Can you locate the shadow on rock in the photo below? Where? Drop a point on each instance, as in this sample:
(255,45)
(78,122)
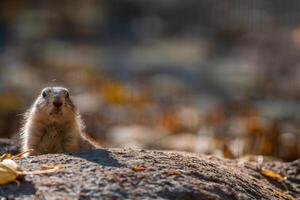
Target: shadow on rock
(26,188)
(99,156)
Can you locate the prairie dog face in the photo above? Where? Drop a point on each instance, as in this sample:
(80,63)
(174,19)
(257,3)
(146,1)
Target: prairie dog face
(55,103)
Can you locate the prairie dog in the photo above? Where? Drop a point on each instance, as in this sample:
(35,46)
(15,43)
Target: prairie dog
(54,125)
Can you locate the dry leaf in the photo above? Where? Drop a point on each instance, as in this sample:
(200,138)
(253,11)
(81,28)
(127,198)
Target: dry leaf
(5,156)
(227,152)
(173,173)
(137,168)
(283,195)
(45,166)
(272,175)
(8,171)
(113,92)
(47,171)
(21,154)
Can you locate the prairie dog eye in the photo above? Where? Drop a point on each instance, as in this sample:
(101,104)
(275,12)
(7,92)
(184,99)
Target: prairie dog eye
(67,94)
(44,94)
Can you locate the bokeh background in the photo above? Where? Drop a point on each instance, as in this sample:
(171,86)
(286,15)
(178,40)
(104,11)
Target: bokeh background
(209,76)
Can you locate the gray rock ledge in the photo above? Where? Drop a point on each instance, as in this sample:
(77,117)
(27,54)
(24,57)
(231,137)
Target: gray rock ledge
(112,174)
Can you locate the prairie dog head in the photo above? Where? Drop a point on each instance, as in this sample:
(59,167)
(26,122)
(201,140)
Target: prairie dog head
(54,103)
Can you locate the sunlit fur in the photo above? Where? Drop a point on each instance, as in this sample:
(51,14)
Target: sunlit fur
(48,129)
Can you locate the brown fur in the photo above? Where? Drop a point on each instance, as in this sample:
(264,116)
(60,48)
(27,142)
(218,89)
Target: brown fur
(50,130)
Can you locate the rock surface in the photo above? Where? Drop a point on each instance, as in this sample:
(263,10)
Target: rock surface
(145,174)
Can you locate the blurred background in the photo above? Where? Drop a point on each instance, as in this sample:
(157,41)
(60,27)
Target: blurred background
(216,77)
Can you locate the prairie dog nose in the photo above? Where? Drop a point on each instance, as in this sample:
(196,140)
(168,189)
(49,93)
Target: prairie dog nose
(57,103)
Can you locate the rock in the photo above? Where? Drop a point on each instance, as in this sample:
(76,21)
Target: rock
(145,174)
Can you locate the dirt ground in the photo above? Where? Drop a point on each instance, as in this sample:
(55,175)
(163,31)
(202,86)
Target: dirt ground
(145,174)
